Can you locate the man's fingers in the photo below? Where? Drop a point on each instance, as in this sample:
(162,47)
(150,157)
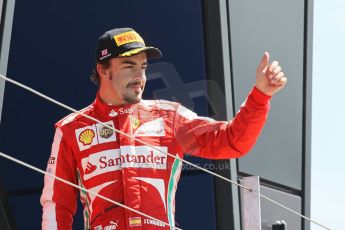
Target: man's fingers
(264,62)
(273,66)
(277,78)
(282,81)
(275,72)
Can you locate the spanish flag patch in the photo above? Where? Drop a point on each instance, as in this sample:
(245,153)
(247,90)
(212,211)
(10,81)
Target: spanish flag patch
(134,221)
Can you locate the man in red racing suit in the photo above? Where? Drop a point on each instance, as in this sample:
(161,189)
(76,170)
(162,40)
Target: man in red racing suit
(124,170)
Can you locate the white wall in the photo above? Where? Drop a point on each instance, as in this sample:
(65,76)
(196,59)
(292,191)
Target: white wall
(328,123)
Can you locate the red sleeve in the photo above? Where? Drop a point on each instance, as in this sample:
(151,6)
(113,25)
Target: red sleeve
(206,138)
(59,200)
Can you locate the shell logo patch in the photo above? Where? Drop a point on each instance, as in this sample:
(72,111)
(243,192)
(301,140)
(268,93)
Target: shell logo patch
(86,137)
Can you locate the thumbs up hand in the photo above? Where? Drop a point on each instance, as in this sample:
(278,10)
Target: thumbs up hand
(269,76)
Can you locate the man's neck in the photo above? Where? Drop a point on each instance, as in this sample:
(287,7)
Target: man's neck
(109,98)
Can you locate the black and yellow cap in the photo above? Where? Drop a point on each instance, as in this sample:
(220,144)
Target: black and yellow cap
(123,42)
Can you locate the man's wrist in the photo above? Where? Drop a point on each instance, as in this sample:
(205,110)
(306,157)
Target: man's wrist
(259,97)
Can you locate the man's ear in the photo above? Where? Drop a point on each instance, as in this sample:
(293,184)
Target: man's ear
(100,70)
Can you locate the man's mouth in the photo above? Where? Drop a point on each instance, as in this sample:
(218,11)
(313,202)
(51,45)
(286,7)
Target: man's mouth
(136,86)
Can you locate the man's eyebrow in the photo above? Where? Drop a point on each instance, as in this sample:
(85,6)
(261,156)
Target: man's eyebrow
(128,62)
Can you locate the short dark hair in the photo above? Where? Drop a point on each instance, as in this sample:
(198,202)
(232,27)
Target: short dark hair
(94,77)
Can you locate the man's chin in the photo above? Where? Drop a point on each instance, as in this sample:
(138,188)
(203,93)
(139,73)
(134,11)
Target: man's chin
(132,100)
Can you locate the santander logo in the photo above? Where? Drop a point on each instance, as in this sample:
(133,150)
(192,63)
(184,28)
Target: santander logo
(90,168)
(125,157)
(126,110)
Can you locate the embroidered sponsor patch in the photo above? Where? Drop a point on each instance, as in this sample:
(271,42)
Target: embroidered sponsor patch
(104,52)
(95,134)
(154,222)
(113,113)
(51,160)
(86,137)
(125,157)
(101,162)
(105,134)
(135,122)
(134,221)
(143,157)
(127,37)
(113,225)
(154,128)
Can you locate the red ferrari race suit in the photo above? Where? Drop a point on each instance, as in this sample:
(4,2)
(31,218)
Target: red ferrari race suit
(108,163)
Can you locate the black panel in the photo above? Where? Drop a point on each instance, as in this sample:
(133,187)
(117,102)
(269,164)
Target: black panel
(6,219)
(225,194)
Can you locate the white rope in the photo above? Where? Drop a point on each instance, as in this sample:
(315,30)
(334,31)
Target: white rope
(293,211)
(118,131)
(81,188)
(153,147)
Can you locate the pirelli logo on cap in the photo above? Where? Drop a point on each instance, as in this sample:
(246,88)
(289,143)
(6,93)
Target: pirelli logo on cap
(127,37)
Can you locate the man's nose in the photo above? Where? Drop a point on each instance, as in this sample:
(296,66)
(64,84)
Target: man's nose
(140,75)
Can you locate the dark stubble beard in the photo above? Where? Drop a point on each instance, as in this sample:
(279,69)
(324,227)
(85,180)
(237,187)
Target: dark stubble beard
(126,98)
(133,100)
